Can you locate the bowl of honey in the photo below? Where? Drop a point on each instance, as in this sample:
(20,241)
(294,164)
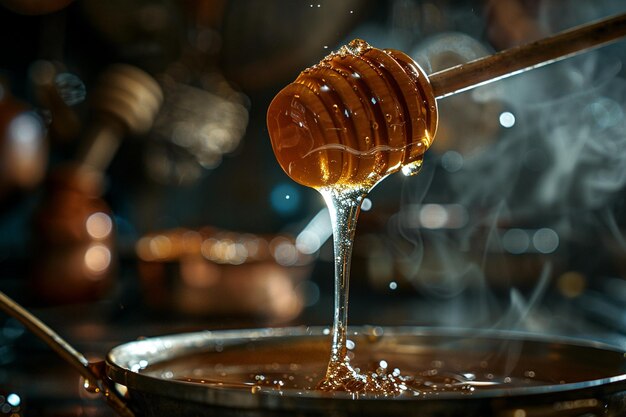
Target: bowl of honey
(429,372)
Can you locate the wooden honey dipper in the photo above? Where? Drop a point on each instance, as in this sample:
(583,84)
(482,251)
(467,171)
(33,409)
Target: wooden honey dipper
(363,113)
(73,230)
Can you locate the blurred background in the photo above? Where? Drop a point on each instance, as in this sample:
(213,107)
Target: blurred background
(139,194)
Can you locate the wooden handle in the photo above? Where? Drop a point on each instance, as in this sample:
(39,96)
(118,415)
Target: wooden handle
(532,55)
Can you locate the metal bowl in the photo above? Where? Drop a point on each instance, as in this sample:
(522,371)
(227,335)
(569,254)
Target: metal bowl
(212,373)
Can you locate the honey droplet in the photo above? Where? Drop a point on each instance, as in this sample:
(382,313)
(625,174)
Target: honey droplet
(412,169)
(358,46)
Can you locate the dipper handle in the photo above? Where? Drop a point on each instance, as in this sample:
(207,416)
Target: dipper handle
(532,55)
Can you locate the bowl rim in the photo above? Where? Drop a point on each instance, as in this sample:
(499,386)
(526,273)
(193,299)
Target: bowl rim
(125,362)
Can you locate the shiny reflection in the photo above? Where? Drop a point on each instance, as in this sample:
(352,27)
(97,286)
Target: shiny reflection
(220,247)
(97,258)
(14,400)
(315,233)
(10,405)
(507,119)
(99,225)
(25,138)
(366,205)
(436,216)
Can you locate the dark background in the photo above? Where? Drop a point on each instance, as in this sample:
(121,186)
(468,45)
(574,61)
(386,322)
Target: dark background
(532,237)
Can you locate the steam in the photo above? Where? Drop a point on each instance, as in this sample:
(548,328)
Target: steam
(555,168)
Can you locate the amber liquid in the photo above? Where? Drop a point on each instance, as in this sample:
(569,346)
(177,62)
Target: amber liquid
(359,115)
(410,365)
(345,124)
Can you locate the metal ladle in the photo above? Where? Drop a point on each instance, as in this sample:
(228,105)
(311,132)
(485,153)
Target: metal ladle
(93,372)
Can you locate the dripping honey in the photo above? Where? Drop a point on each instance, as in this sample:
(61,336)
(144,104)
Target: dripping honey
(342,126)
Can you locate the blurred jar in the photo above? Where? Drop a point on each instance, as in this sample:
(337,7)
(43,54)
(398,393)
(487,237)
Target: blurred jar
(73,236)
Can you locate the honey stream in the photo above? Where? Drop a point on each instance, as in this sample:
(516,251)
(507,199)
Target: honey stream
(346,123)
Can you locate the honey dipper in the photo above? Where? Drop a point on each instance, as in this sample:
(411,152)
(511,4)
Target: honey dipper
(73,236)
(363,113)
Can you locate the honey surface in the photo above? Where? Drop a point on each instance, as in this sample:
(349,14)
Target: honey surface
(389,366)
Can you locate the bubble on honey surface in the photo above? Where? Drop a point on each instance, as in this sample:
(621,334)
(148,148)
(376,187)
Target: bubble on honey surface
(376,379)
(355,47)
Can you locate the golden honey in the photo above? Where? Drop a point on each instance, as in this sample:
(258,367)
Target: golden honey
(359,115)
(342,126)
